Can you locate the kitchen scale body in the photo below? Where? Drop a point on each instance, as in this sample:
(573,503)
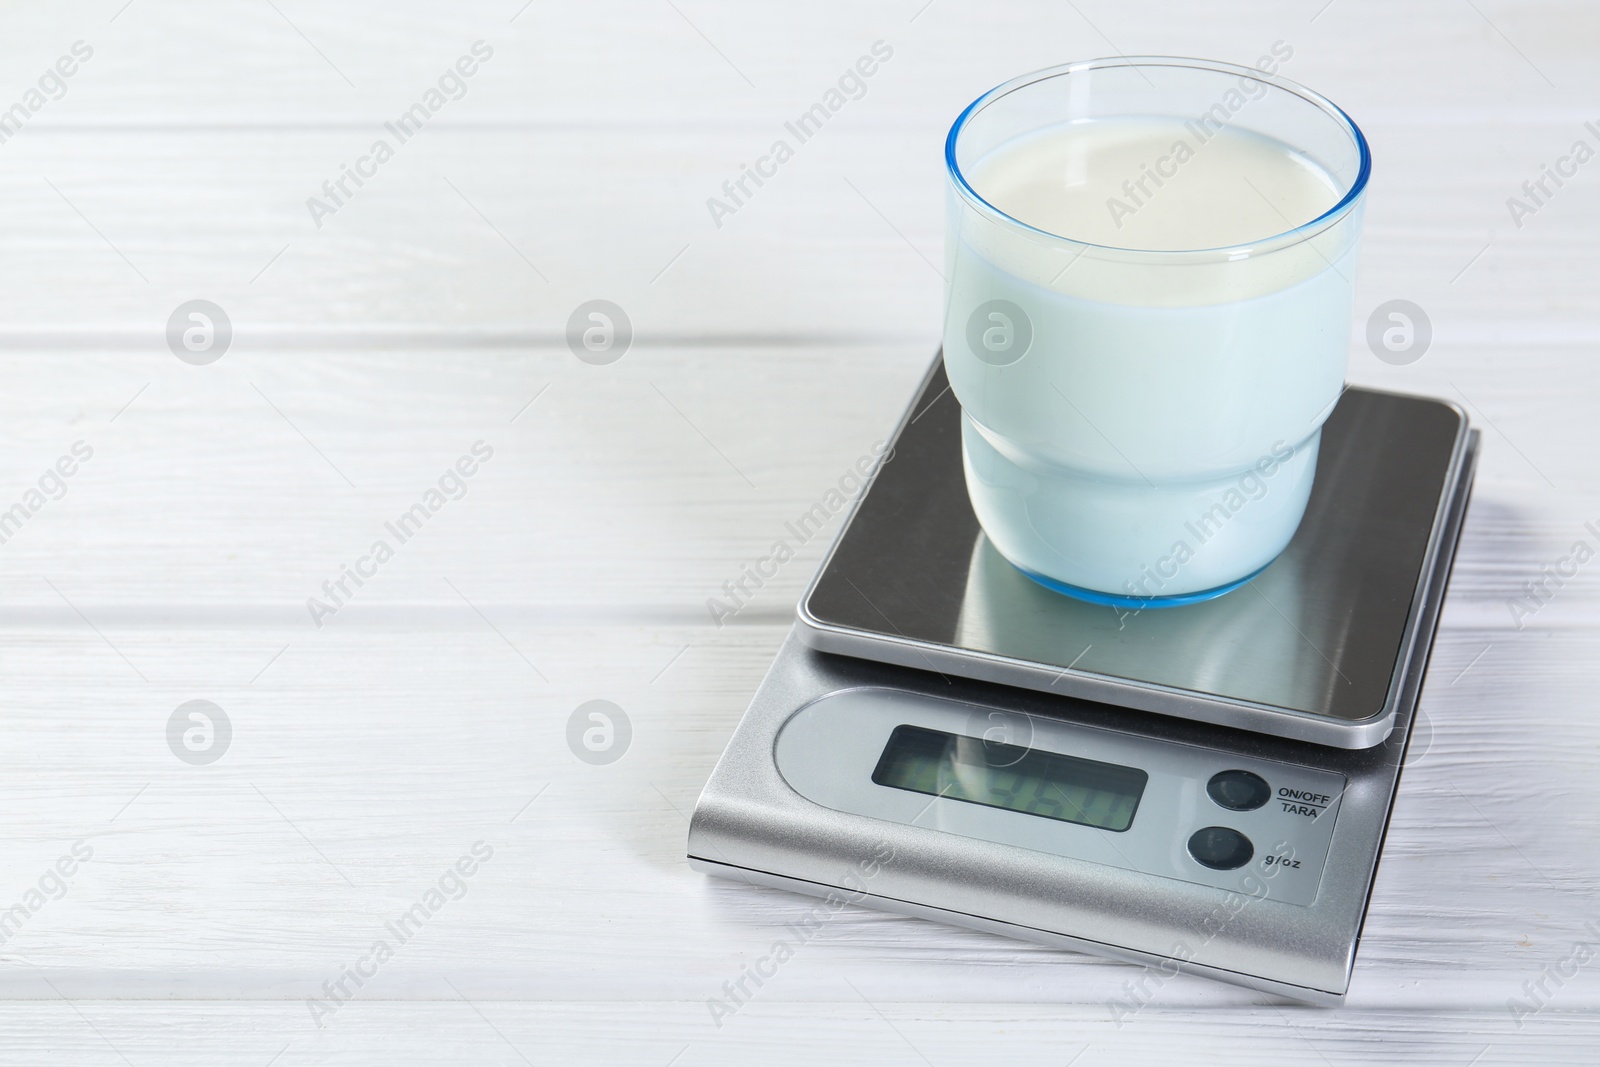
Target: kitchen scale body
(1202,788)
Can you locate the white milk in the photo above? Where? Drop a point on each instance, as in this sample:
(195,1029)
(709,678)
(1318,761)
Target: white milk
(1231,189)
(1157,433)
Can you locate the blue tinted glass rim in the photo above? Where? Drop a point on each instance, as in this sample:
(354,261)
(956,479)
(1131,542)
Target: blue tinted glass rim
(1285,237)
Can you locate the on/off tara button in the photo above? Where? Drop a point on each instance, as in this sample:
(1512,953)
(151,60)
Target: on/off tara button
(1238,790)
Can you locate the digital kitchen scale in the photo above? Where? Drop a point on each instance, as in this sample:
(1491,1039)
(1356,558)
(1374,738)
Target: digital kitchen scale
(1201,788)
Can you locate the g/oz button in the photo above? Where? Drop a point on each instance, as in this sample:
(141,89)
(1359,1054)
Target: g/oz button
(1238,790)
(1221,848)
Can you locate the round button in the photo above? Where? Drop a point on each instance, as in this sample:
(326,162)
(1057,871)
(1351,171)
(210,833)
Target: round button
(1238,790)
(1221,848)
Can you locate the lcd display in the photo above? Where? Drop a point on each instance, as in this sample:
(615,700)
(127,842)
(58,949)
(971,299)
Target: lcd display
(1047,784)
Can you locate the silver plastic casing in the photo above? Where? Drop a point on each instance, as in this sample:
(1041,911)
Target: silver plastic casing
(750,824)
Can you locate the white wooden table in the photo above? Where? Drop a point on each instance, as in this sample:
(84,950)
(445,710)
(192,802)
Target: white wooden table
(429,712)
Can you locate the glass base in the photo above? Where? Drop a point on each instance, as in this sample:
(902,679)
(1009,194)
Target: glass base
(1171,541)
(1138,603)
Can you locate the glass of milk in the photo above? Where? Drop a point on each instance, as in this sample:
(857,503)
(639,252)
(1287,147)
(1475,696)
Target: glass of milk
(1149,281)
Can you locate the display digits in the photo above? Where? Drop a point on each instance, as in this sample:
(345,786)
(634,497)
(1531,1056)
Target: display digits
(1031,781)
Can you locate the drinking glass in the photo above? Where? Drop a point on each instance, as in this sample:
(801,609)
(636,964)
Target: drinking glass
(1141,419)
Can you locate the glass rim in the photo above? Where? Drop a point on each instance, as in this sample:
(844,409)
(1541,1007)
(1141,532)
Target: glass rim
(1283,238)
